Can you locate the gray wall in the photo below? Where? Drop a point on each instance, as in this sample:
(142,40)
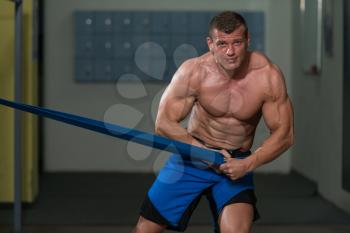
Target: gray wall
(317,152)
(67,148)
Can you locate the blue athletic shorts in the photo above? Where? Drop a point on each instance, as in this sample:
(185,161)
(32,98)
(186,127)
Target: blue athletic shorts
(181,183)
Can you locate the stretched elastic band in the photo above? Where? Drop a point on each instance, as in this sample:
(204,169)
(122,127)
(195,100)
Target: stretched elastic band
(187,151)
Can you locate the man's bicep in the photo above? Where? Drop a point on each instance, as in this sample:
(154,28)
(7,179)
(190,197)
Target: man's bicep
(278,114)
(277,108)
(175,107)
(178,99)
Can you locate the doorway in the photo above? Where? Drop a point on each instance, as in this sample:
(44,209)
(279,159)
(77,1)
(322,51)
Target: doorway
(346,98)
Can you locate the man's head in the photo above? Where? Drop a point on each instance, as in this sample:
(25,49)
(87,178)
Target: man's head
(227,22)
(228,40)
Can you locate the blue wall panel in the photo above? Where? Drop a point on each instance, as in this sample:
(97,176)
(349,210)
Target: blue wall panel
(106,42)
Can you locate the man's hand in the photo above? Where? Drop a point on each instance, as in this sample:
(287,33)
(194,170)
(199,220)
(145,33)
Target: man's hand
(233,168)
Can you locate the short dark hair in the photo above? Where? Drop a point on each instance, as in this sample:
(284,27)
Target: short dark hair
(227,22)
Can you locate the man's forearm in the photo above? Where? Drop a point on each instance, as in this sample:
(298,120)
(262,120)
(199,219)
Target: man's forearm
(273,147)
(177,132)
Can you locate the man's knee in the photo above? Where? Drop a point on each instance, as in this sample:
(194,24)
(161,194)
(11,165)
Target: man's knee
(146,226)
(235,228)
(236,218)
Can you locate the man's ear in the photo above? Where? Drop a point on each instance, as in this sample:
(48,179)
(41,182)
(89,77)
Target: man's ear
(210,43)
(248,39)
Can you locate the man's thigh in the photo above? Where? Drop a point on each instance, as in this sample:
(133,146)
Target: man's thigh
(175,194)
(236,218)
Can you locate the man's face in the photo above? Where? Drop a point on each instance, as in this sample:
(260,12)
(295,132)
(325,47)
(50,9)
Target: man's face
(229,50)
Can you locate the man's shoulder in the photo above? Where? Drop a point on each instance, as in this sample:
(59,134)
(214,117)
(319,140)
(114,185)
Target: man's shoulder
(200,60)
(195,65)
(260,62)
(265,72)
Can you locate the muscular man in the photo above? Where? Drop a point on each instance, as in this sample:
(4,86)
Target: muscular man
(225,92)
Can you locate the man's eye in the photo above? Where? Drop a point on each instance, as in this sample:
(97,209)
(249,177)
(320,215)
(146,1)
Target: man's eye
(221,44)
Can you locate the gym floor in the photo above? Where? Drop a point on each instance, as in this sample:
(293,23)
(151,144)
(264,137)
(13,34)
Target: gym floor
(109,202)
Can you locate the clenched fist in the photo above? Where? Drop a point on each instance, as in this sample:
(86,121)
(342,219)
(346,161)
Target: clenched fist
(233,168)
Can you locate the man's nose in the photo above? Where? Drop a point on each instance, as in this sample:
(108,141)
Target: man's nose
(230,50)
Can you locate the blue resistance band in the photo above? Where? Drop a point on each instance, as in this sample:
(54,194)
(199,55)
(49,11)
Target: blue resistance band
(187,151)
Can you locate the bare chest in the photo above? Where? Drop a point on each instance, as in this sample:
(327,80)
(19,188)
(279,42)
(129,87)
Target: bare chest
(239,100)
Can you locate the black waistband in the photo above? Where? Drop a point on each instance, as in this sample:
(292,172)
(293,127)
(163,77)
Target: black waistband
(235,153)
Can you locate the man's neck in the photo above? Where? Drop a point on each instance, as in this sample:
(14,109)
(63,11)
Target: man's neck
(238,73)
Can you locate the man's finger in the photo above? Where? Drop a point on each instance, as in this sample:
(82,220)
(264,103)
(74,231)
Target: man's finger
(225,153)
(223,167)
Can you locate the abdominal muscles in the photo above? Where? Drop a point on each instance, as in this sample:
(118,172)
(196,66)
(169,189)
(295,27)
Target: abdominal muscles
(224,131)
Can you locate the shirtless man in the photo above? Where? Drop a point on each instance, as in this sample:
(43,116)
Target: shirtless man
(225,91)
